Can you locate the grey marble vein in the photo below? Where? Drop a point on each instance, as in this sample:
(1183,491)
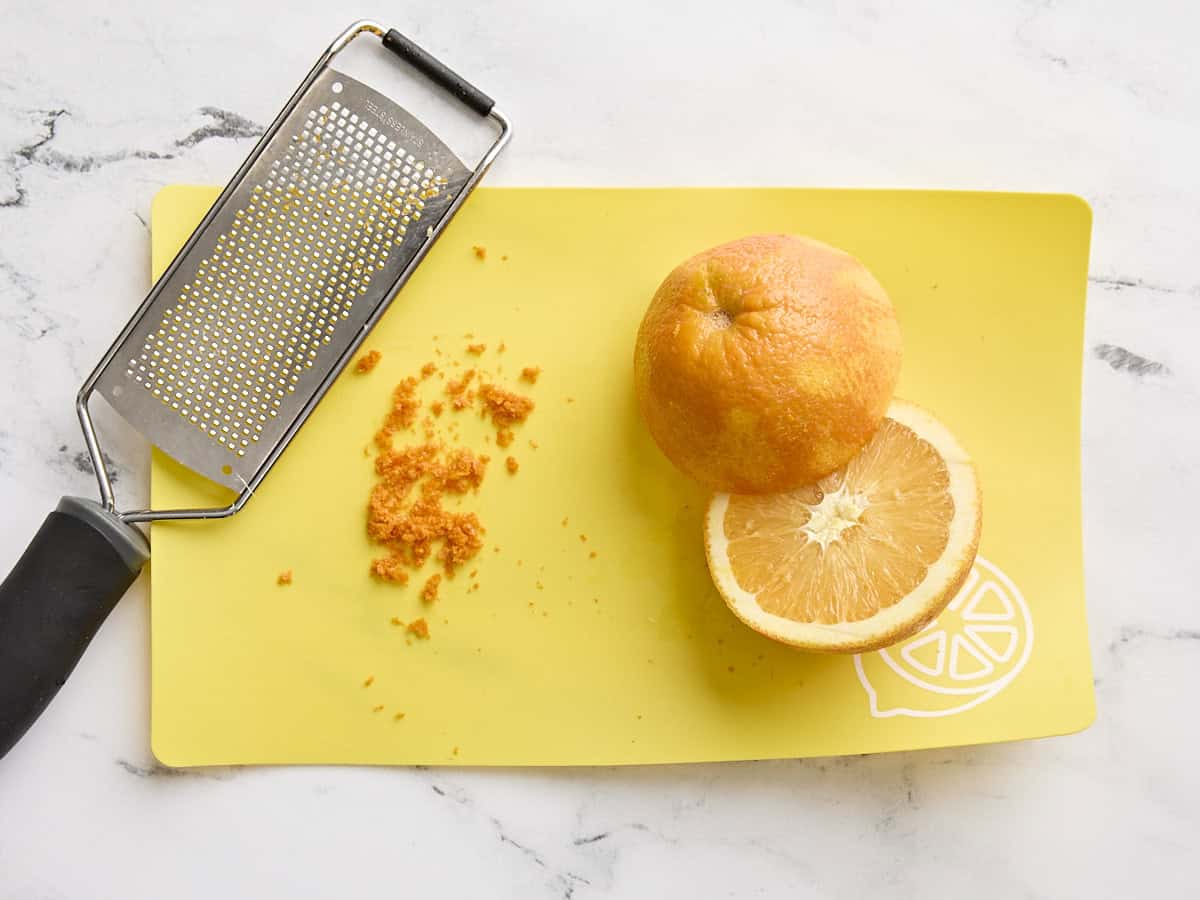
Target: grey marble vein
(81,461)
(24,155)
(1132,633)
(156,770)
(221,124)
(224,124)
(1122,283)
(608,833)
(1022,38)
(19,309)
(563,880)
(1122,360)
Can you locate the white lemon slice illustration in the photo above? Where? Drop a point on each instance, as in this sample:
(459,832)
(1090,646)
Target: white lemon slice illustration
(966,656)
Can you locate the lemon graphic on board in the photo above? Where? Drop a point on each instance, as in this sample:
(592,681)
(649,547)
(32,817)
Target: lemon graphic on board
(966,656)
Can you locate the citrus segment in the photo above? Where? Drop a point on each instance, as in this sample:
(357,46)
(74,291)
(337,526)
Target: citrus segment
(863,558)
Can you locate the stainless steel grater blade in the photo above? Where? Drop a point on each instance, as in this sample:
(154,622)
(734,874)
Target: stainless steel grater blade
(242,335)
(280,284)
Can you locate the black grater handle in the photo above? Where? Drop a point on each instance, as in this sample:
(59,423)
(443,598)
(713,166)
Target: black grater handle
(76,568)
(438,72)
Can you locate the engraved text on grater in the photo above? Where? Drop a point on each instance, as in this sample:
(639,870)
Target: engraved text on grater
(383,116)
(277,283)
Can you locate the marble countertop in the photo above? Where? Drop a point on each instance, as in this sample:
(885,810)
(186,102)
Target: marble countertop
(99,109)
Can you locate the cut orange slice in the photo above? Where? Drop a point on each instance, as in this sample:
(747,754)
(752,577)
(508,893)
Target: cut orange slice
(863,558)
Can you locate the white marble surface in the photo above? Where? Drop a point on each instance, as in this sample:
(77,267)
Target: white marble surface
(101,104)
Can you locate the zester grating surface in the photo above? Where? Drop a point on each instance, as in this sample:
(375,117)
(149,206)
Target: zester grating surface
(279,285)
(335,229)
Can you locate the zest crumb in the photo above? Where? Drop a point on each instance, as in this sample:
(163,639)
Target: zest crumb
(419,628)
(460,397)
(502,347)
(592,555)
(504,437)
(410,535)
(397,717)
(399,470)
(564,522)
(512,465)
(367,362)
(429,593)
(472,573)
(476,349)
(396,621)
(455,751)
(533,444)
(531,373)
(504,258)
(389,570)
(405,406)
(428,369)
(583,537)
(570,399)
(405,512)
(370,681)
(461,472)
(285,578)
(376,709)
(480,252)
(505,407)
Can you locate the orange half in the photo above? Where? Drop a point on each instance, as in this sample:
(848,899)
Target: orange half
(864,557)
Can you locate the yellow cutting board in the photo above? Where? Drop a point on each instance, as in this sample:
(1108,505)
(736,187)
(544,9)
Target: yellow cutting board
(629,656)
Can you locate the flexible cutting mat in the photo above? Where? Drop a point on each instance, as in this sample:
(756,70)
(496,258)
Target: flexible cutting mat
(629,656)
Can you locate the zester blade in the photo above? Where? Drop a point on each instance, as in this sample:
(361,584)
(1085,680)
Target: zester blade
(280,285)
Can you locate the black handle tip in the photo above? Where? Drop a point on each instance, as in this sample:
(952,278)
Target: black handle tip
(74,571)
(438,72)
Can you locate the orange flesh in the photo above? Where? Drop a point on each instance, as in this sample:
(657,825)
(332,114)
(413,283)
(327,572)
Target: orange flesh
(883,519)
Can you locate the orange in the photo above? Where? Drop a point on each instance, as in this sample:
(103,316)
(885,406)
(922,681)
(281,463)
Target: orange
(867,556)
(766,363)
